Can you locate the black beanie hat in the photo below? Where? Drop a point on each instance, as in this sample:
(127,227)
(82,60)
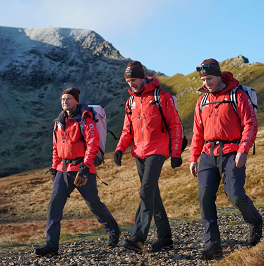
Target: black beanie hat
(134,69)
(209,67)
(73,91)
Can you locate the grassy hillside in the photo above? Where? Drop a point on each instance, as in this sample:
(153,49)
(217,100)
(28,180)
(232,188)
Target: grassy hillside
(24,197)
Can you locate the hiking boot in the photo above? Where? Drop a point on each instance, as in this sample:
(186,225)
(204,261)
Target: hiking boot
(161,244)
(134,243)
(211,251)
(113,240)
(255,234)
(45,250)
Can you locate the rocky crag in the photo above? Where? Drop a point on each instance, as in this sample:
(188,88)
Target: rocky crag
(36,65)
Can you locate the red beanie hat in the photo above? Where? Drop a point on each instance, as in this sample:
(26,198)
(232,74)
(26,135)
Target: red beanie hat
(134,69)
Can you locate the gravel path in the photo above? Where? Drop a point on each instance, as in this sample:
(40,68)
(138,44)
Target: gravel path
(188,243)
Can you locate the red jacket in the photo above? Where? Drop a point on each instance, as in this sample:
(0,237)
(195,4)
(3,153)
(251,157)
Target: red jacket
(220,122)
(68,142)
(148,131)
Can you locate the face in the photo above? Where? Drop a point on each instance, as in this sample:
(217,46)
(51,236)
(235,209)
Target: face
(68,102)
(136,84)
(212,83)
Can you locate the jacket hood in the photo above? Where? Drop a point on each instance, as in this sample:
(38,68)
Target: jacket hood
(228,78)
(151,84)
(80,111)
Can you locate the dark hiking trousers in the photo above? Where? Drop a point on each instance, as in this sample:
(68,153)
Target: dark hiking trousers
(58,200)
(234,181)
(151,203)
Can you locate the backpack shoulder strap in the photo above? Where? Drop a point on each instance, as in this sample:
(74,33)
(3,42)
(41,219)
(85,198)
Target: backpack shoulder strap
(82,125)
(156,97)
(203,101)
(130,101)
(54,131)
(233,97)
(157,101)
(94,113)
(84,119)
(129,110)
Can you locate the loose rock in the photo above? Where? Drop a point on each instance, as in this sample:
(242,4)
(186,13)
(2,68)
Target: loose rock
(188,243)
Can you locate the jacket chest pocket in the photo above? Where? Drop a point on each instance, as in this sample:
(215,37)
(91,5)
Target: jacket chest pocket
(73,132)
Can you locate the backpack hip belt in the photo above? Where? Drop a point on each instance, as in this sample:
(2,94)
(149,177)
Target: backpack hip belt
(219,170)
(236,141)
(74,162)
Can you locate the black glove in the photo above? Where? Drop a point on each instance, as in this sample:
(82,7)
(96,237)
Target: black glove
(176,162)
(118,157)
(53,172)
(83,170)
(184,144)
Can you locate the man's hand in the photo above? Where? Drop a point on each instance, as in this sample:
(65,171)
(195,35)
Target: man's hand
(118,157)
(82,175)
(80,181)
(241,159)
(176,162)
(193,169)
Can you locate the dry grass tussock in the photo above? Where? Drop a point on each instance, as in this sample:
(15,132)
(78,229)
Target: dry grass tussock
(24,197)
(245,257)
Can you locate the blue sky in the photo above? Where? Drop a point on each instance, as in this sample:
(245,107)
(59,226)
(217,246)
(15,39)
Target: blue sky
(169,36)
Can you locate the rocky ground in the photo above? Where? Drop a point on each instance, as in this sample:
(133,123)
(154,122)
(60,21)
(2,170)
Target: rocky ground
(188,243)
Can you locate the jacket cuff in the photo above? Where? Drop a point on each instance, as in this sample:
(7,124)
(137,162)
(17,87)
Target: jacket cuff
(54,166)
(119,148)
(175,153)
(243,150)
(193,158)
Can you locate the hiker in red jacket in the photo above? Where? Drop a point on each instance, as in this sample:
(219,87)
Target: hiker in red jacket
(222,139)
(145,128)
(73,167)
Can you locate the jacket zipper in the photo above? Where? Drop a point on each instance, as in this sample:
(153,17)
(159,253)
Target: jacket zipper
(213,125)
(141,125)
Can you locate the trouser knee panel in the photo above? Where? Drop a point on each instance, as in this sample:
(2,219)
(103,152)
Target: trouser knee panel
(239,201)
(204,198)
(54,205)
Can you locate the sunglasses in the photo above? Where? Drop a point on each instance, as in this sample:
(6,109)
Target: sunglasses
(204,67)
